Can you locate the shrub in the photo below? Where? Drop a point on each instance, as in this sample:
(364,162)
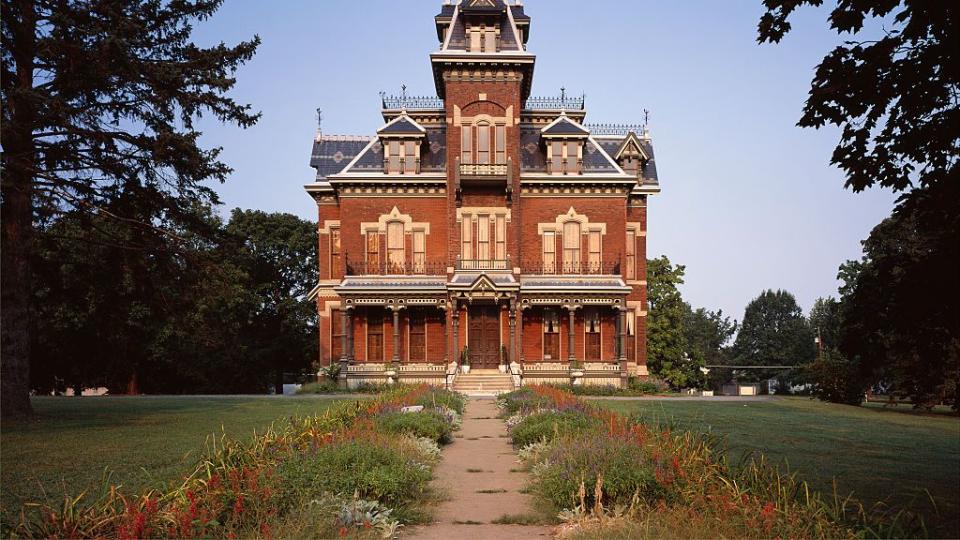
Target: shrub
(549,425)
(836,379)
(429,424)
(523,400)
(582,459)
(323,387)
(649,385)
(438,397)
(331,387)
(365,466)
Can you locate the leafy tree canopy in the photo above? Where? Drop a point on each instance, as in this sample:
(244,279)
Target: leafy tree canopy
(895,98)
(901,311)
(212,316)
(774,332)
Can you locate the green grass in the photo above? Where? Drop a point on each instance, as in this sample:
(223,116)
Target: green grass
(880,455)
(143,441)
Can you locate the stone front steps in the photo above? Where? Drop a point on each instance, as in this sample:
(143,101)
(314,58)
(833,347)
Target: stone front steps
(483,382)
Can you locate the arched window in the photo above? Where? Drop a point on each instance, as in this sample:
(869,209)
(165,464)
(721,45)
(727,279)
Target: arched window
(571,246)
(395,252)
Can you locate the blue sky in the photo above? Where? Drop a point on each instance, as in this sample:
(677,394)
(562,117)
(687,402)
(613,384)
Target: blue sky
(749,200)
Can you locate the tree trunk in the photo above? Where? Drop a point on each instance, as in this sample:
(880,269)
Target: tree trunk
(16,231)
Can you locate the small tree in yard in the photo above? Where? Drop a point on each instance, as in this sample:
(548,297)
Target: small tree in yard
(99,99)
(666,341)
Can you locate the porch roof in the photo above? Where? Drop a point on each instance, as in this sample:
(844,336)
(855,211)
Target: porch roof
(573,285)
(392,285)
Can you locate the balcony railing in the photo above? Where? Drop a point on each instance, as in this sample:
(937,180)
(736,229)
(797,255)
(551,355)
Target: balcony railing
(614,129)
(604,268)
(483,169)
(384,268)
(482,264)
(570,103)
(411,102)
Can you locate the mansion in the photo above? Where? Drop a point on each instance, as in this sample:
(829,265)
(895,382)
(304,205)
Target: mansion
(484,231)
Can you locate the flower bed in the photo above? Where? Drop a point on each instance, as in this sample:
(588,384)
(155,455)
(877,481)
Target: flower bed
(609,476)
(333,474)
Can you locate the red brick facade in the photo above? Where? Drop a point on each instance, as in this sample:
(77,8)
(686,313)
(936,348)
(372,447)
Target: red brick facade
(483,252)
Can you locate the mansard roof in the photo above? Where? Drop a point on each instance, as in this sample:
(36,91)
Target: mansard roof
(483,6)
(533,155)
(563,126)
(518,14)
(332,153)
(433,155)
(457,39)
(402,125)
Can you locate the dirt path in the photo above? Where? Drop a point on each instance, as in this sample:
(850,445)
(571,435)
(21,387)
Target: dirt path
(475,499)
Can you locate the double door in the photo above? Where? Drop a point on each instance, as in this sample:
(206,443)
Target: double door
(484,339)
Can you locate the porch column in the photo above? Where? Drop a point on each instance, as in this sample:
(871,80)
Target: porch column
(396,333)
(446,335)
(621,336)
(344,323)
(349,330)
(455,315)
(513,330)
(571,356)
(520,335)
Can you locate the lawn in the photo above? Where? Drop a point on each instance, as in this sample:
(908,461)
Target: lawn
(880,455)
(142,441)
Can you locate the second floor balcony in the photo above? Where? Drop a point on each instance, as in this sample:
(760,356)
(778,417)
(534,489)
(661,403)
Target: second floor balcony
(379,267)
(484,170)
(572,267)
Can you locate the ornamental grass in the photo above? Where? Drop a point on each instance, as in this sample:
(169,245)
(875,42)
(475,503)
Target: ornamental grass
(314,476)
(628,479)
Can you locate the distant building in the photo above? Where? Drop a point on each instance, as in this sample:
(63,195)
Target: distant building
(484,225)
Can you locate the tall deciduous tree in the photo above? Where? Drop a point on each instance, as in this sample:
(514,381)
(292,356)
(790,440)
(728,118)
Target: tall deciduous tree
(99,98)
(904,330)
(894,90)
(278,252)
(774,332)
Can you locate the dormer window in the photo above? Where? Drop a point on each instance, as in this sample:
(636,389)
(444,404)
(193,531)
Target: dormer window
(564,139)
(566,157)
(401,139)
(402,157)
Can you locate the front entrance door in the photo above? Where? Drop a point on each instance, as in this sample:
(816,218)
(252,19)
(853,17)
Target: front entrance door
(484,339)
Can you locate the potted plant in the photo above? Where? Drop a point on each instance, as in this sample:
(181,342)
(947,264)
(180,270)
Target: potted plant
(465,360)
(504,359)
(576,371)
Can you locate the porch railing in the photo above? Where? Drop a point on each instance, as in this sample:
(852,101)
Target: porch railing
(572,268)
(385,268)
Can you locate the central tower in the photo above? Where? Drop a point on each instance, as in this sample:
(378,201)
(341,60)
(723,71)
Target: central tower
(483,72)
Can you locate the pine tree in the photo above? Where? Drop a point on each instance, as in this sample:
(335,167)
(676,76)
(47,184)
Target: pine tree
(100,98)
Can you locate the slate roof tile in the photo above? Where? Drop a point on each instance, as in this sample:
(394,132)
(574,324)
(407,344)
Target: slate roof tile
(332,153)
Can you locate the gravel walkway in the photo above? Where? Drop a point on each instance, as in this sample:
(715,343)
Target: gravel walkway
(475,475)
